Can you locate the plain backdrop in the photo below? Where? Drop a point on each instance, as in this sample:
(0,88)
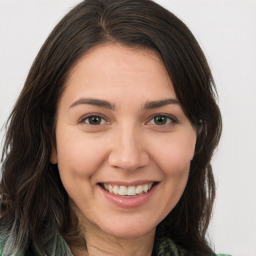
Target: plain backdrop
(226,30)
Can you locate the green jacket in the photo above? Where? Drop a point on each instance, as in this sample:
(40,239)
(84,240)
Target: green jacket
(164,248)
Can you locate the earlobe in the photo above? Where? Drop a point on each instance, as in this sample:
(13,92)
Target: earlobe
(53,158)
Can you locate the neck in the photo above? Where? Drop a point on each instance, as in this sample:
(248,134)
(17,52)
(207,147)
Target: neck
(99,243)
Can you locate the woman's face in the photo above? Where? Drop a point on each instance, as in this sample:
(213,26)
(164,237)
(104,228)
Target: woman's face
(124,145)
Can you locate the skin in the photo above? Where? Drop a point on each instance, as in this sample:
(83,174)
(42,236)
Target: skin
(126,145)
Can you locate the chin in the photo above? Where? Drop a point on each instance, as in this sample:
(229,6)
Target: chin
(129,230)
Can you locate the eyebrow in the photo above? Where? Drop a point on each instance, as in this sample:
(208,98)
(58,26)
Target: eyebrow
(160,103)
(95,102)
(108,105)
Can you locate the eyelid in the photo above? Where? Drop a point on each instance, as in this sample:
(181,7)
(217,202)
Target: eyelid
(173,119)
(83,118)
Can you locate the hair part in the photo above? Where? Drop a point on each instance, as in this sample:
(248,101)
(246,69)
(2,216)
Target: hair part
(35,204)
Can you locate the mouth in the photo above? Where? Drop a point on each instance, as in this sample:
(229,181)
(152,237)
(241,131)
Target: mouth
(128,191)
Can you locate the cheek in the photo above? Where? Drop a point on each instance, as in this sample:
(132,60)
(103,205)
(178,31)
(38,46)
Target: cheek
(175,156)
(77,155)
(174,161)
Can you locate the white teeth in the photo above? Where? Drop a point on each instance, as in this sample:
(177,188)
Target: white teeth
(122,191)
(139,189)
(128,191)
(131,191)
(145,188)
(115,190)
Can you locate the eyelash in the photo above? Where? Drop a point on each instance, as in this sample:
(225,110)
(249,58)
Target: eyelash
(83,120)
(170,120)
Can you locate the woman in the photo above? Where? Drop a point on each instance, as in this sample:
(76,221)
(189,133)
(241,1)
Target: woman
(109,145)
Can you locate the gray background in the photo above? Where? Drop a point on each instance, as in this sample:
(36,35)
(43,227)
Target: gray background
(226,31)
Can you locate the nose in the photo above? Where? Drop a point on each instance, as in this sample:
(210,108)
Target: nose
(128,151)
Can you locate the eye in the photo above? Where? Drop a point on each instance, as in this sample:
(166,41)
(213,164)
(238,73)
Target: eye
(161,120)
(94,120)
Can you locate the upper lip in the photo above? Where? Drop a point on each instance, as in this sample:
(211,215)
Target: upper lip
(127,184)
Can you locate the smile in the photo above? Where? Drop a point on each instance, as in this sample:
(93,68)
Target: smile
(128,191)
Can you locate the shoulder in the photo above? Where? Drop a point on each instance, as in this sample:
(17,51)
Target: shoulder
(166,247)
(4,234)
(61,247)
(58,247)
(2,243)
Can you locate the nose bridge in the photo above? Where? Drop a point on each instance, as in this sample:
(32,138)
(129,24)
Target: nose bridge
(128,150)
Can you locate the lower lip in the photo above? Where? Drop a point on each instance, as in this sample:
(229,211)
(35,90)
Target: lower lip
(129,202)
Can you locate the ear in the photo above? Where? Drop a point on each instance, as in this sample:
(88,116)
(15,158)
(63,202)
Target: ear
(199,127)
(201,135)
(54,158)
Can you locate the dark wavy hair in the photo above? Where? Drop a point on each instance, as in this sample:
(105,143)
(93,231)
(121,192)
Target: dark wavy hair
(35,205)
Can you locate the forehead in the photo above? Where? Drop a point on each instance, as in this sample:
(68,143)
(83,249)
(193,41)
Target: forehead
(109,69)
(125,57)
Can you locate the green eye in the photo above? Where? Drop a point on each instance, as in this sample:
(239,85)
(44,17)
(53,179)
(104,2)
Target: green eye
(161,120)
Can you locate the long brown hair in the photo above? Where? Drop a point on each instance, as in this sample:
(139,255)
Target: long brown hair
(35,202)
